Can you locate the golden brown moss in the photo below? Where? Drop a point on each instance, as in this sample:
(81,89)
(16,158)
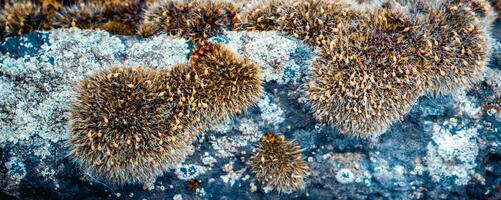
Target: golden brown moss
(119,28)
(279,163)
(50,5)
(82,15)
(482,8)
(231,84)
(378,63)
(195,20)
(264,17)
(498,6)
(125,15)
(312,21)
(153,17)
(368,75)
(22,17)
(457,46)
(122,130)
(373,64)
(118,17)
(128,125)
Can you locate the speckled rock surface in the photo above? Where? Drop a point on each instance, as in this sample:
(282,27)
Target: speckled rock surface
(447,147)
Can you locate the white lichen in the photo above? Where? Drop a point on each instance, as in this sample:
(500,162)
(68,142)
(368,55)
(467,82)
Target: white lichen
(227,145)
(42,151)
(190,171)
(270,51)
(160,51)
(467,105)
(16,171)
(452,154)
(345,176)
(232,176)
(35,99)
(177,197)
(385,170)
(271,113)
(250,130)
(208,160)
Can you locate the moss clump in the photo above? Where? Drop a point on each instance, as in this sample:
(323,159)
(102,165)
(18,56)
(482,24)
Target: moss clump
(457,45)
(374,63)
(231,84)
(122,130)
(368,75)
(128,125)
(195,20)
(278,163)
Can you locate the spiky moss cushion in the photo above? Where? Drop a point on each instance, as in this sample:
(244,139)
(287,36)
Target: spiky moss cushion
(312,21)
(367,77)
(131,124)
(196,20)
(121,129)
(231,84)
(116,17)
(22,17)
(279,163)
(457,45)
(123,17)
(83,15)
(214,86)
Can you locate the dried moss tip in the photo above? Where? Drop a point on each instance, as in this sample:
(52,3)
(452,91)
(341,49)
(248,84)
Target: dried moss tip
(22,17)
(196,20)
(368,75)
(279,163)
(121,130)
(231,84)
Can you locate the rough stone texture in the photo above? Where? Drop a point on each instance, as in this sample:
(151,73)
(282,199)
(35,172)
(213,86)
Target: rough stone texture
(447,147)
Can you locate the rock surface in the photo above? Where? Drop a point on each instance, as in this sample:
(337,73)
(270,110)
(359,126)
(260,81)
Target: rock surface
(447,147)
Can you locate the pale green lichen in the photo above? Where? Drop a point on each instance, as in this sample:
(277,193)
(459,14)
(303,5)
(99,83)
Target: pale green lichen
(36,97)
(158,51)
(271,113)
(345,176)
(271,51)
(189,171)
(16,171)
(467,105)
(452,154)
